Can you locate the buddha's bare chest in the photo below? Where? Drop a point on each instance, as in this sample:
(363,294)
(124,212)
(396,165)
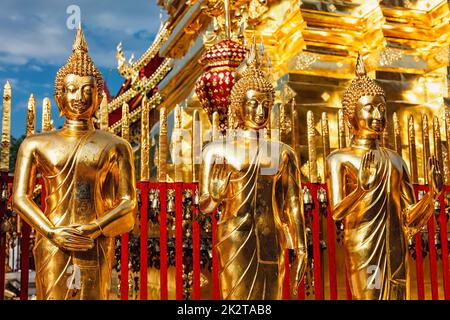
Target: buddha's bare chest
(68,153)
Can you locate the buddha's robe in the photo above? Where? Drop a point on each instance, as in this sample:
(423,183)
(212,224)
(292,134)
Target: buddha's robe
(261,217)
(83,181)
(377,228)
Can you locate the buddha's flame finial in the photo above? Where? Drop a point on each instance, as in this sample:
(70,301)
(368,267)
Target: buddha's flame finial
(80,43)
(360,67)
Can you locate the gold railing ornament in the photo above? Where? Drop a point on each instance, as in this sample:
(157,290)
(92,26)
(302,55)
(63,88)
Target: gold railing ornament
(412,150)
(341,129)
(125,122)
(162,148)
(447,138)
(426,146)
(437,142)
(6,128)
(197,144)
(325,140)
(295,130)
(177,147)
(397,134)
(145,140)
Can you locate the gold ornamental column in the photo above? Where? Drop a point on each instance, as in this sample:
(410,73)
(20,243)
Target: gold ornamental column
(125,122)
(341,129)
(197,146)
(6,128)
(46,115)
(104,114)
(31,116)
(312,148)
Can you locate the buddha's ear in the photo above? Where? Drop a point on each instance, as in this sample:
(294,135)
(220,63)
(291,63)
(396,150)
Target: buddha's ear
(59,103)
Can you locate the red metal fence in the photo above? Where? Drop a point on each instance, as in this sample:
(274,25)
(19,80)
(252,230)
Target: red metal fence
(314,210)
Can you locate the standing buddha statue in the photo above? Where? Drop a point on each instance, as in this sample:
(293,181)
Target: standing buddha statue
(254,183)
(89,181)
(371,190)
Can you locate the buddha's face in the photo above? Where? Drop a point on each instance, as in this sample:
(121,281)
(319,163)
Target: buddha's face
(370,115)
(256,109)
(79,98)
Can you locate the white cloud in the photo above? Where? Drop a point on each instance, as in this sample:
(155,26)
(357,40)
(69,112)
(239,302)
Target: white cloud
(37,30)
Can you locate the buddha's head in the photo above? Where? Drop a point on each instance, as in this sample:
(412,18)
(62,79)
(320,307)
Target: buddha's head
(78,84)
(364,104)
(252,96)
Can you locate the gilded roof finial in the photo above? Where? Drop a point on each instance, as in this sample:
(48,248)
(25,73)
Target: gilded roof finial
(253,56)
(80,43)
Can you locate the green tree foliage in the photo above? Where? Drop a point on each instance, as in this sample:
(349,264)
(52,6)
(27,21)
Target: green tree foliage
(13,149)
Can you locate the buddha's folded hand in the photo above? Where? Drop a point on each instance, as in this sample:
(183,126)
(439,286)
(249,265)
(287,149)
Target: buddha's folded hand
(71,239)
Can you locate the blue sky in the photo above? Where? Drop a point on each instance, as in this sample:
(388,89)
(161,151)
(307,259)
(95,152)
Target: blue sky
(35,41)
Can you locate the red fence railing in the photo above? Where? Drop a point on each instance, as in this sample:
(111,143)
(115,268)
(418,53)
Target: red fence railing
(317,233)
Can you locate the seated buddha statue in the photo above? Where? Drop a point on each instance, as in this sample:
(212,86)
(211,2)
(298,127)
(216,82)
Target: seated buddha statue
(254,183)
(370,189)
(89,181)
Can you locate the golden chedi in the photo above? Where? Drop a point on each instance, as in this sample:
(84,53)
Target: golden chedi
(254,183)
(89,182)
(370,189)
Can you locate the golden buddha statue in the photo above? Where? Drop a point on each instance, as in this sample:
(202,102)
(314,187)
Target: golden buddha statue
(255,184)
(89,181)
(370,188)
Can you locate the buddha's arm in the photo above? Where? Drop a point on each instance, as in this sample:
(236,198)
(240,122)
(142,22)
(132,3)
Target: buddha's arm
(207,202)
(294,221)
(340,205)
(24,183)
(415,214)
(121,219)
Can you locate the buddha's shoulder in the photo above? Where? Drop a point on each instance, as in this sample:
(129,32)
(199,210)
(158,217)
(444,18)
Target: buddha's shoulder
(339,153)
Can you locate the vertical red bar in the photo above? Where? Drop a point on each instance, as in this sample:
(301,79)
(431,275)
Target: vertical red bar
(124,266)
(444,245)
(419,267)
(24,260)
(433,260)
(2,264)
(215,261)
(178,241)
(195,247)
(301,290)
(331,256)
(163,240)
(419,260)
(286,280)
(144,236)
(316,245)
(3,245)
